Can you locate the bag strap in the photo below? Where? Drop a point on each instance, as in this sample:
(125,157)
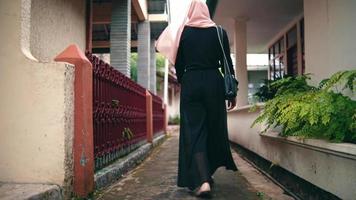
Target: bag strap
(220,36)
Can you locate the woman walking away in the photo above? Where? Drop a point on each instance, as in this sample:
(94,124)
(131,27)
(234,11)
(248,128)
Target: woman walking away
(195,51)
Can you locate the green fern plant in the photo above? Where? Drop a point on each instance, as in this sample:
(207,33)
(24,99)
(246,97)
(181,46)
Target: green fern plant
(345,79)
(311,112)
(272,88)
(266,91)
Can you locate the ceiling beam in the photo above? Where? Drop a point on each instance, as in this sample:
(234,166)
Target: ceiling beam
(158,17)
(106,44)
(102,14)
(140,9)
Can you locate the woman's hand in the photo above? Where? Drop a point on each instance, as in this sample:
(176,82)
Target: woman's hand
(231,104)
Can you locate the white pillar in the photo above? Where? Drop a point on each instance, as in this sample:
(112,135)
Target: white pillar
(144,50)
(165,91)
(153,67)
(240,45)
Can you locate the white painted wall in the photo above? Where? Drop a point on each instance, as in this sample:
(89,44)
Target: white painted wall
(54,25)
(36,105)
(330,31)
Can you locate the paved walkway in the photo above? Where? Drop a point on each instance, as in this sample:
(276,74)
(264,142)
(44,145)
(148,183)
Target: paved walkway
(156,177)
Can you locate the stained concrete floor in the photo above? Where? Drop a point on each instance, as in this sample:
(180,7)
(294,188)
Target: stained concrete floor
(156,177)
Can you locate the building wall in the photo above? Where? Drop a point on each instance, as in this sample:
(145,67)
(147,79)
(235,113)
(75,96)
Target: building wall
(54,25)
(330,29)
(36,109)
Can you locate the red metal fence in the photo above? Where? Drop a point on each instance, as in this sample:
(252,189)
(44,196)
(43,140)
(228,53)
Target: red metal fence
(158,114)
(119,113)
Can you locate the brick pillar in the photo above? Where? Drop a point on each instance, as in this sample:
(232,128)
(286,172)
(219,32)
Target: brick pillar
(83,141)
(153,67)
(149,117)
(120,36)
(143,49)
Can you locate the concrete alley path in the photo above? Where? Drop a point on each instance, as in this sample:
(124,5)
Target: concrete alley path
(155,179)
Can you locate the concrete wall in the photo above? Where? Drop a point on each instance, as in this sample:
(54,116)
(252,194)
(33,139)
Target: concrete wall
(330,29)
(54,25)
(329,166)
(36,109)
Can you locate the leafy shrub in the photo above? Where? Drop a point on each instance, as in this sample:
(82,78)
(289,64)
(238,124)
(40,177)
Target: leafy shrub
(345,79)
(271,88)
(174,120)
(266,92)
(313,112)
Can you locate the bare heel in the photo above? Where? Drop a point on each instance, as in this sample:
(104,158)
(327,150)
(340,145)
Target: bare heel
(204,191)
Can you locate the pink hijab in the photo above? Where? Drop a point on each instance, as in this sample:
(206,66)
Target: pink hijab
(197,16)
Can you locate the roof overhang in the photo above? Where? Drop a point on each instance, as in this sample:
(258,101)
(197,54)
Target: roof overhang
(102,12)
(140,8)
(158,18)
(156,11)
(264,19)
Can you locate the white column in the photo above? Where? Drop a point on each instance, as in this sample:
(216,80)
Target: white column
(165,87)
(144,50)
(240,45)
(153,67)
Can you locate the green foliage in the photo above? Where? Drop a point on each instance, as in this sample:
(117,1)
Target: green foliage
(271,88)
(174,120)
(345,79)
(313,112)
(261,195)
(133,66)
(160,62)
(266,92)
(291,84)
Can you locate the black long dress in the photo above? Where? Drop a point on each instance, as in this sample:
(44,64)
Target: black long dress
(203,142)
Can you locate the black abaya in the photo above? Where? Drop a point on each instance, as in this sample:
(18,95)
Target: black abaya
(203,143)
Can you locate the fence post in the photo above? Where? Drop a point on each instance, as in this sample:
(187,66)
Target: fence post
(165,118)
(149,117)
(83,147)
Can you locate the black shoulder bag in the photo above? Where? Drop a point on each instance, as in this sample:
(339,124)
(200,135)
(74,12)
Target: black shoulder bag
(230,82)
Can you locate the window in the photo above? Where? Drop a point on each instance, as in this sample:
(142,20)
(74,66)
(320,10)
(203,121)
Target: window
(276,59)
(286,55)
